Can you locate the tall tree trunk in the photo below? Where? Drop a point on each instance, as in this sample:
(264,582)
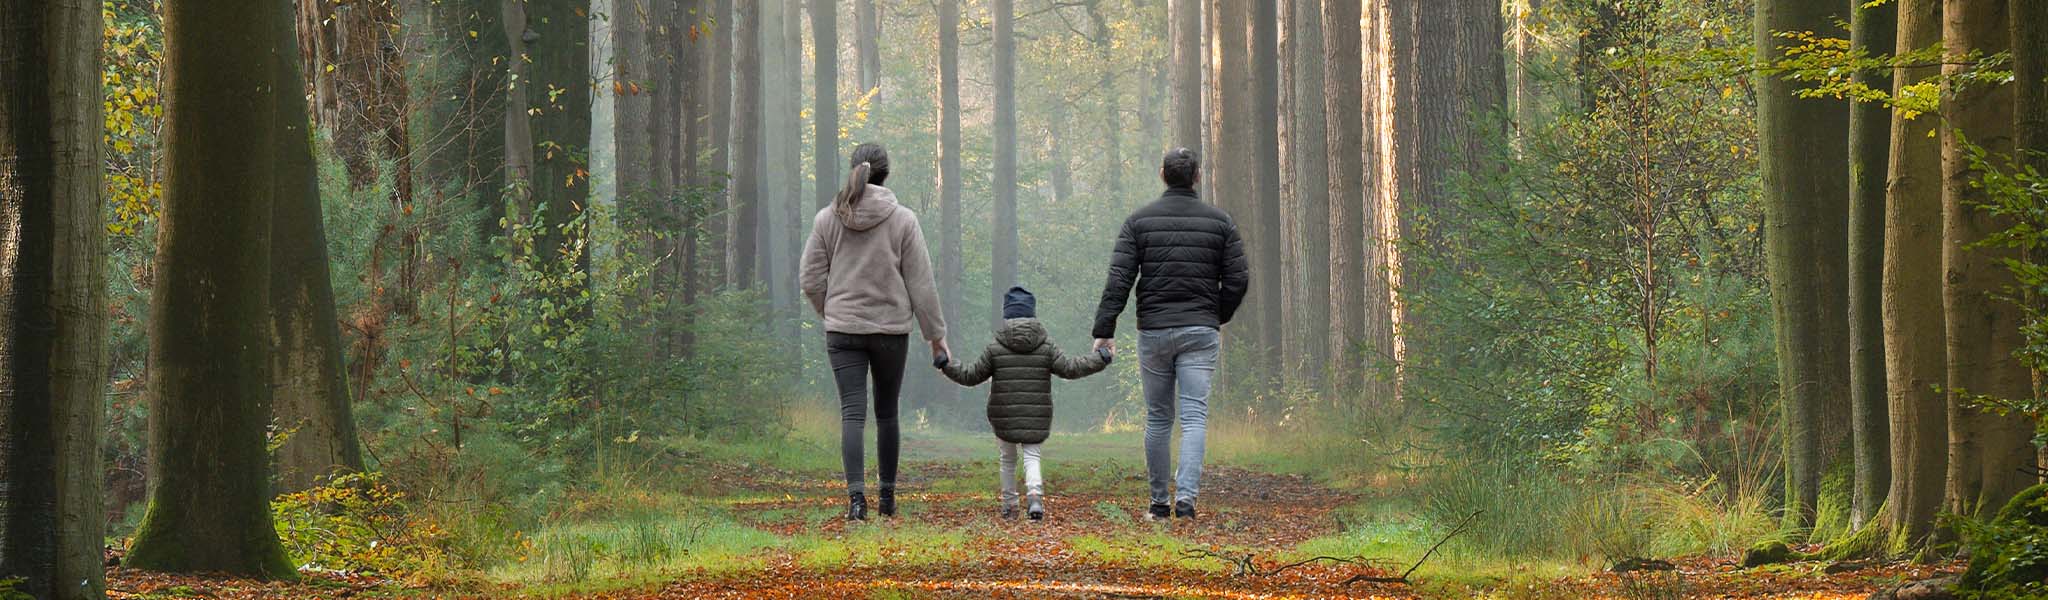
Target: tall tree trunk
(1987,454)
(1914,356)
(1312,181)
(1527,12)
(1003,272)
(362,94)
(1805,180)
(1874,30)
(1265,146)
(781,187)
(718,167)
(558,100)
(466,157)
(950,217)
(518,143)
(52,300)
(633,85)
(868,44)
(825,102)
(1184,34)
(209,505)
(311,396)
(1347,142)
(747,152)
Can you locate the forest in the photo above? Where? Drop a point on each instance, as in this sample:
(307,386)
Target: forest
(1517,299)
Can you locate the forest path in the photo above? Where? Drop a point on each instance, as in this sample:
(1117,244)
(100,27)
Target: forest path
(769,525)
(950,542)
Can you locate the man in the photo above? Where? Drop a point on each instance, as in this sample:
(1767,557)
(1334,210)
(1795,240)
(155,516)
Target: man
(1188,263)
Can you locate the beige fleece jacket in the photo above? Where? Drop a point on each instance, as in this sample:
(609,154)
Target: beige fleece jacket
(866,269)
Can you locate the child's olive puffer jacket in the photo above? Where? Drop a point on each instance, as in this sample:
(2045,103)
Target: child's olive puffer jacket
(1022,362)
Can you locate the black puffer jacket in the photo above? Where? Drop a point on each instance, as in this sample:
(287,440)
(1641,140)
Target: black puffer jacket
(1188,263)
(1022,363)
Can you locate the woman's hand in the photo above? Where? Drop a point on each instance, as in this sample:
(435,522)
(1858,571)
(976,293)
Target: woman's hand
(939,348)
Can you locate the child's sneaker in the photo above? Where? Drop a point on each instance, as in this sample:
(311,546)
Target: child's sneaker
(1037,508)
(1009,511)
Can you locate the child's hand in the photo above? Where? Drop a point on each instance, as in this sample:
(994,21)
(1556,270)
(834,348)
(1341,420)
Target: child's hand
(939,361)
(1107,355)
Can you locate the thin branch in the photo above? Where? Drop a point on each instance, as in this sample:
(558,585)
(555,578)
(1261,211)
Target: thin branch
(1403,579)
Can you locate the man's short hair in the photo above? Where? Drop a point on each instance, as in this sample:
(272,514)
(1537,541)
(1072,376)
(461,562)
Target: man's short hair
(1180,167)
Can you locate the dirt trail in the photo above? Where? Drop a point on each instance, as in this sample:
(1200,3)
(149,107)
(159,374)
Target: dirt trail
(1244,513)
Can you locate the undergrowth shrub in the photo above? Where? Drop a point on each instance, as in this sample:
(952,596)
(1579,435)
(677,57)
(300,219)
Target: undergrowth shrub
(357,523)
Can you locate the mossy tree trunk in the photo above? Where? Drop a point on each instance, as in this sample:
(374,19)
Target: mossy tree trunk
(1914,355)
(1986,452)
(1872,29)
(311,397)
(52,299)
(210,398)
(1806,192)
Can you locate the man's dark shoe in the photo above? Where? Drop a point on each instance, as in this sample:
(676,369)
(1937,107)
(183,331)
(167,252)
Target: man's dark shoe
(1184,509)
(886,504)
(857,507)
(1159,513)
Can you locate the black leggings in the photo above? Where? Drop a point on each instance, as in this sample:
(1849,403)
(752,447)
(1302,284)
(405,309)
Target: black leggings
(853,358)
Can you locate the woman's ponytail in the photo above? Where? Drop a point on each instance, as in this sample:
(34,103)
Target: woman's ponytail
(855,188)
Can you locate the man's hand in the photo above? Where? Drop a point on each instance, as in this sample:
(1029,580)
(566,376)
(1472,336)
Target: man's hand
(1104,344)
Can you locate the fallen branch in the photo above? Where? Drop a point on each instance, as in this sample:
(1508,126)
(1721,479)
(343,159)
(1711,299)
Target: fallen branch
(1403,578)
(1247,564)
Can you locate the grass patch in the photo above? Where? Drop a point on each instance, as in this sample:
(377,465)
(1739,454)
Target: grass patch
(877,544)
(1149,550)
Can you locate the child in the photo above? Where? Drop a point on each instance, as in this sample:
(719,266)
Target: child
(1022,362)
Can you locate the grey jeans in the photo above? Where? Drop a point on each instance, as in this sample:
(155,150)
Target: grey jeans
(1177,364)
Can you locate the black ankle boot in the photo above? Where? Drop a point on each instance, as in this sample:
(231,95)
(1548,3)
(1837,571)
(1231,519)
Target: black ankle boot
(886,503)
(857,507)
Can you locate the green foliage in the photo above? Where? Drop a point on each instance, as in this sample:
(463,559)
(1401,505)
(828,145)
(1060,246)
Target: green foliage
(2009,554)
(357,523)
(9,589)
(1596,297)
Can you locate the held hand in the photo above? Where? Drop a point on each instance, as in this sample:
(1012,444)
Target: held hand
(941,353)
(1102,344)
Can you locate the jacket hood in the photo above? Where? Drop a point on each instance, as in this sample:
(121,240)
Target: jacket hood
(1021,335)
(875,207)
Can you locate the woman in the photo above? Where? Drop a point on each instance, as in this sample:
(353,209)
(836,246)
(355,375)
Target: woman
(866,272)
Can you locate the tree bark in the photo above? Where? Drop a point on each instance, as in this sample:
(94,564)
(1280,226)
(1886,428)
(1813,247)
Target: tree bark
(558,100)
(466,156)
(1184,34)
(1265,146)
(1874,30)
(209,505)
(311,396)
(747,153)
(1805,180)
(633,84)
(52,300)
(1305,341)
(868,44)
(950,217)
(1986,453)
(1914,355)
(1345,137)
(1003,271)
(825,102)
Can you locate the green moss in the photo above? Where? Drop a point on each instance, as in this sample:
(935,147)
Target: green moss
(1771,553)
(2009,555)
